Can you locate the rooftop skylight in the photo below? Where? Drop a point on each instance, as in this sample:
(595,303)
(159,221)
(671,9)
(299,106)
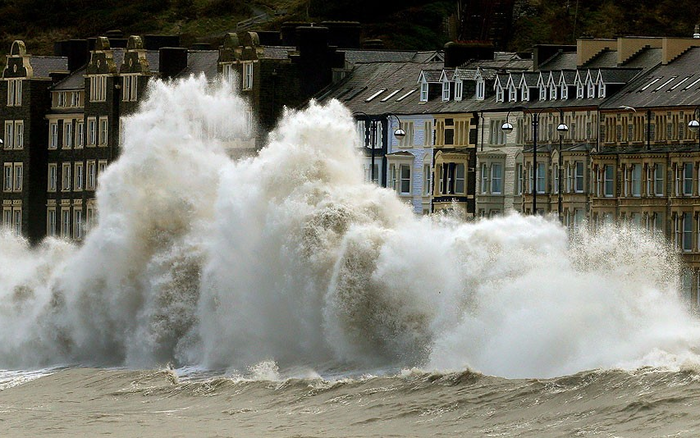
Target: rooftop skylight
(673,78)
(679,83)
(392,94)
(375,95)
(644,88)
(692,84)
(405,95)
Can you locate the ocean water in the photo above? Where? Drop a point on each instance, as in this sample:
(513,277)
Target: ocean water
(280,295)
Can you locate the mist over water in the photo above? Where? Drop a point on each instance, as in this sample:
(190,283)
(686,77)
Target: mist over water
(289,258)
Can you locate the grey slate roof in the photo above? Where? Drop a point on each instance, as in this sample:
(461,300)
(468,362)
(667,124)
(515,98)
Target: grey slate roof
(43,66)
(667,90)
(276,52)
(431,75)
(569,77)
(153,58)
(355,56)
(74,81)
(645,59)
(560,61)
(367,79)
(606,58)
(511,63)
(618,75)
(201,61)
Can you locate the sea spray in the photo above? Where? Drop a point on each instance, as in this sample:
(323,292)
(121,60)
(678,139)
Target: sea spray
(289,259)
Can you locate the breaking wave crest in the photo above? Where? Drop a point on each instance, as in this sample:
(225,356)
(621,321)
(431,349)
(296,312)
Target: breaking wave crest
(288,258)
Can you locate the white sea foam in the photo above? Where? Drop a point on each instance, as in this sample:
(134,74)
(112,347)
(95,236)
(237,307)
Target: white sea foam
(290,260)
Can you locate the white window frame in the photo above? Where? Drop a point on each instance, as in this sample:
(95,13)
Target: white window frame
(496,179)
(14,92)
(52,177)
(78,176)
(424,91)
(480,89)
(91,175)
(445,91)
(66,177)
(18,177)
(68,134)
(460,181)
(579,181)
(636,180)
(80,134)
(591,90)
(103,131)
(541,183)
(9,140)
(53,134)
(130,88)
(51,221)
(65,222)
(92,131)
(427,178)
(459,89)
(687,179)
(98,88)
(525,92)
(687,232)
(404,190)
(19,134)
(7,181)
(500,93)
(247,75)
(78,222)
(608,179)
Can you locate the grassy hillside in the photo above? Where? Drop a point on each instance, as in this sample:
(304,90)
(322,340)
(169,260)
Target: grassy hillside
(408,24)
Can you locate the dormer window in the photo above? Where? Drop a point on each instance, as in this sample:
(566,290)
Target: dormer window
(458,89)
(480,89)
(445,91)
(591,90)
(564,91)
(525,92)
(579,90)
(543,92)
(601,89)
(423,91)
(512,93)
(552,91)
(499,93)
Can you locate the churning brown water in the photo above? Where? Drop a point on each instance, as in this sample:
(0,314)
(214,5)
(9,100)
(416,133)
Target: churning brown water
(95,402)
(289,261)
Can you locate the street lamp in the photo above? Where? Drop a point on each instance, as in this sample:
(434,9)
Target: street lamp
(507,127)
(372,138)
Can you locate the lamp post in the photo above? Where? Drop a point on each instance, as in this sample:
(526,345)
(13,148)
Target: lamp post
(561,128)
(694,125)
(372,137)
